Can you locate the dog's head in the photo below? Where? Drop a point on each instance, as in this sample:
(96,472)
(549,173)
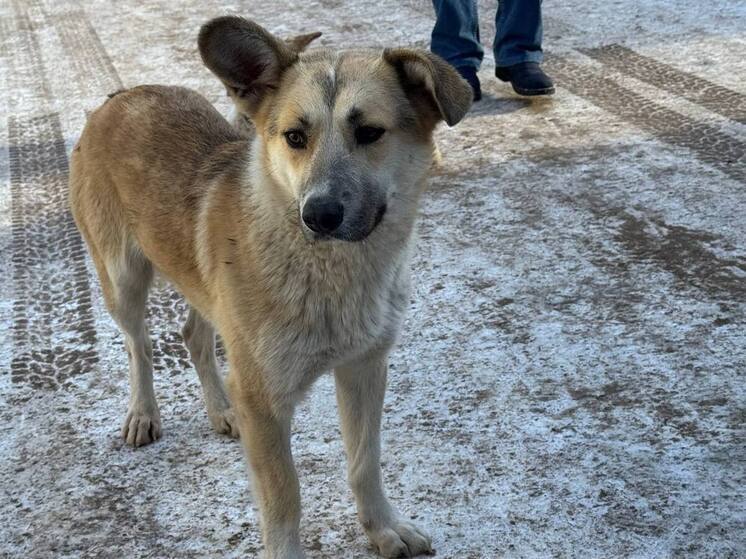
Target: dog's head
(346,136)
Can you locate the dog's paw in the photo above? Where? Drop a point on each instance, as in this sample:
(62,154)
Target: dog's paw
(224,422)
(141,428)
(400,538)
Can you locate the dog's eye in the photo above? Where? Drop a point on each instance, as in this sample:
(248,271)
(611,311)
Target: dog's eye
(365,135)
(296,139)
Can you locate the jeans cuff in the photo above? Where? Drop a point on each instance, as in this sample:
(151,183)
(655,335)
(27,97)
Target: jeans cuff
(528,56)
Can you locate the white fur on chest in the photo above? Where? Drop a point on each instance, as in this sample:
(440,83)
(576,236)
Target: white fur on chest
(333,312)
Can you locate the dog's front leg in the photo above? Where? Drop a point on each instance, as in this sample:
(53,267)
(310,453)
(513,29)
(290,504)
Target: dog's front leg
(360,391)
(265,435)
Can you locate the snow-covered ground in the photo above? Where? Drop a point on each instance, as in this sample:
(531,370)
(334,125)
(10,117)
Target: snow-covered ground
(570,380)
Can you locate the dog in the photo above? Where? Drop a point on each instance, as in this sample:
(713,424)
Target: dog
(292,242)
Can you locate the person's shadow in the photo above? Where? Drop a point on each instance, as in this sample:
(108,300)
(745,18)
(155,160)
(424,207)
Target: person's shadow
(500,104)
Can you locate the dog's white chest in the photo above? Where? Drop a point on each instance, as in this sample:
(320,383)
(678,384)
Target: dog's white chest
(327,328)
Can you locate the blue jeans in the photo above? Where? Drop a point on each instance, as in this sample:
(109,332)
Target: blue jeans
(455,36)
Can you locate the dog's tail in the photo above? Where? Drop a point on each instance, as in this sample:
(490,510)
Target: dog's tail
(117,92)
(108,97)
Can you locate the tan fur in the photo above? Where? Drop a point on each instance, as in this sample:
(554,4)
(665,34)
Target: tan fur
(160,182)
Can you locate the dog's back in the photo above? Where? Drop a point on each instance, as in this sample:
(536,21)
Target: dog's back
(140,170)
(149,135)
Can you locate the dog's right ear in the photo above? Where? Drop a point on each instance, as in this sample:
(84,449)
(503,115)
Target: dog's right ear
(247,58)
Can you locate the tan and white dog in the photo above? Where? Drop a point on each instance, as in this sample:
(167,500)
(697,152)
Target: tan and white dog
(293,244)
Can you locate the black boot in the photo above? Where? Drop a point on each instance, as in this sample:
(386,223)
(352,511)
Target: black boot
(470,75)
(527,78)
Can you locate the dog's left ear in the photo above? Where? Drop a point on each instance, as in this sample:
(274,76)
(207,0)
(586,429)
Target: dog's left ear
(300,42)
(423,71)
(247,58)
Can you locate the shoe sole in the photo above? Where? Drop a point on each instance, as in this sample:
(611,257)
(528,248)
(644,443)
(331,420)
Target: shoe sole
(533,92)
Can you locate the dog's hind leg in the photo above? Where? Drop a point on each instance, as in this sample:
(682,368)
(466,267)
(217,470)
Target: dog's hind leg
(125,275)
(199,337)
(360,391)
(129,275)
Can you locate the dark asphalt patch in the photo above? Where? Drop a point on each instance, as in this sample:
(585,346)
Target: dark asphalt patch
(684,253)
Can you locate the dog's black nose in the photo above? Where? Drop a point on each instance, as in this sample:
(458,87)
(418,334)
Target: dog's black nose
(322,214)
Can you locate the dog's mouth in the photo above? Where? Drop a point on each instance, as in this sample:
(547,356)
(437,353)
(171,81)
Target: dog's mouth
(379,215)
